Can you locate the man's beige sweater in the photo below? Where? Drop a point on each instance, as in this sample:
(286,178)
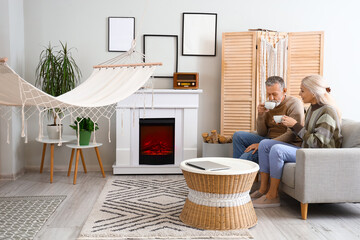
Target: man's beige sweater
(266,127)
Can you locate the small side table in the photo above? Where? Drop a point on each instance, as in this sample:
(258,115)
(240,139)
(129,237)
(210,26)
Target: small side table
(219,200)
(79,152)
(52,142)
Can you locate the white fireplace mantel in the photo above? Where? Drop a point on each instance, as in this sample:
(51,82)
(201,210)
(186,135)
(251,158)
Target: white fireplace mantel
(158,103)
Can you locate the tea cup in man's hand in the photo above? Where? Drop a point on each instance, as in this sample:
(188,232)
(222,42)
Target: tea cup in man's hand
(269,105)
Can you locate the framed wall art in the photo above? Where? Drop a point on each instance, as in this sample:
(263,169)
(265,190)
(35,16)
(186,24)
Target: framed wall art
(121,32)
(199,34)
(162,48)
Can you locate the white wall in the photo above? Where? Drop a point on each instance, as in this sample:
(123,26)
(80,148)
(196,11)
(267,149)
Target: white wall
(12,45)
(83,24)
(4,28)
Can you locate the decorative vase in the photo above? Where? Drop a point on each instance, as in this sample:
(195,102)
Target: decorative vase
(53,131)
(84,137)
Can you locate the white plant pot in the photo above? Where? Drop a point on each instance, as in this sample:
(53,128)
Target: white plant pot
(54,131)
(217,150)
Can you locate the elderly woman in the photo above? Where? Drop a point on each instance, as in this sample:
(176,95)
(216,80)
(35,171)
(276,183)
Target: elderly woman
(321,130)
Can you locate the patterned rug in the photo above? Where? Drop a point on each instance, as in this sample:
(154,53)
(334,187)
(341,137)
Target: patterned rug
(145,207)
(22,217)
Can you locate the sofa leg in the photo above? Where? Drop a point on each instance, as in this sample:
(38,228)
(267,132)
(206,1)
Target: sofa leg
(304,210)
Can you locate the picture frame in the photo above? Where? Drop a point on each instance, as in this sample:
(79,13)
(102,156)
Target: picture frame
(199,34)
(121,33)
(162,48)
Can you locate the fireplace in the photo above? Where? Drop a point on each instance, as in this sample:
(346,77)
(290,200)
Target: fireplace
(156,141)
(176,111)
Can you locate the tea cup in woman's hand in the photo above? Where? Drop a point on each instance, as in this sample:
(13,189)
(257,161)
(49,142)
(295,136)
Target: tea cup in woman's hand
(288,121)
(278,118)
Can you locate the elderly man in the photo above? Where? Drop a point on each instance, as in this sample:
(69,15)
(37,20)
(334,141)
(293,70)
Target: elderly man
(246,144)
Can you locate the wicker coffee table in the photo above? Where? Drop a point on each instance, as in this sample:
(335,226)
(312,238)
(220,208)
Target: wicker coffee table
(219,200)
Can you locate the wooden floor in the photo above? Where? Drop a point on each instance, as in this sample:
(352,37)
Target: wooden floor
(325,221)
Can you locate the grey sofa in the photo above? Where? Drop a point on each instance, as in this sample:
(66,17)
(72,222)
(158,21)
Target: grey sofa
(326,175)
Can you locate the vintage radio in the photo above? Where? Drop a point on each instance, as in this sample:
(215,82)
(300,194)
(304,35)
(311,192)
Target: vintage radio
(186,80)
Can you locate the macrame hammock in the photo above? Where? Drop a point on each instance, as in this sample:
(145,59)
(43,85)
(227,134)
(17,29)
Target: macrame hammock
(109,83)
(273,59)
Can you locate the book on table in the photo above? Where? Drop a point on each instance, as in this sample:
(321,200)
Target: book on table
(208,165)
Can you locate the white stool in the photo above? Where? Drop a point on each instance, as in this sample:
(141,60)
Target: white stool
(79,152)
(52,142)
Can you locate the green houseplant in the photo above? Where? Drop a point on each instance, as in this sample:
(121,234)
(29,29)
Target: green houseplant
(86,127)
(56,74)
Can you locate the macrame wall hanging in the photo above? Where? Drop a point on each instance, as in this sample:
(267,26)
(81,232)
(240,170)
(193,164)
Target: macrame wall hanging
(273,58)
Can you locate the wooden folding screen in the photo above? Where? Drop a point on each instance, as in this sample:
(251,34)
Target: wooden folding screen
(305,57)
(238,82)
(240,74)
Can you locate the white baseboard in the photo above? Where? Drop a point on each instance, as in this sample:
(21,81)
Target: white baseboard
(12,176)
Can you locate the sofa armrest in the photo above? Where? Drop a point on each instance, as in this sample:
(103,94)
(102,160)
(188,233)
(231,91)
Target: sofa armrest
(327,175)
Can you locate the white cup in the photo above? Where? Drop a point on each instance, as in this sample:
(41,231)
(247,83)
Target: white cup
(270,105)
(278,118)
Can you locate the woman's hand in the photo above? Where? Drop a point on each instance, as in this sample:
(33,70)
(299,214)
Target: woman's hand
(288,121)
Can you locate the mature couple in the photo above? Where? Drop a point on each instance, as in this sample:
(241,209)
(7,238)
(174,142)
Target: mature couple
(276,143)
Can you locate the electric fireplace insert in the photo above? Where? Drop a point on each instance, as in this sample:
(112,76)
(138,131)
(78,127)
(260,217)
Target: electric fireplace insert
(157,141)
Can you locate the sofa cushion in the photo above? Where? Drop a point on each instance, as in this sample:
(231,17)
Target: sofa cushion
(351,132)
(288,176)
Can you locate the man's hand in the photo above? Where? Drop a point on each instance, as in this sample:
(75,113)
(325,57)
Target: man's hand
(261,109)
(254,147)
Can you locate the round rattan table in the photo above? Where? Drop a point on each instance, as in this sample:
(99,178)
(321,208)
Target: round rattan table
(219,200)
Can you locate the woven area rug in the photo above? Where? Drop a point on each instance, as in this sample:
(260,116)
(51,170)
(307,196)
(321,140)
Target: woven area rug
(146,207)
(22,217)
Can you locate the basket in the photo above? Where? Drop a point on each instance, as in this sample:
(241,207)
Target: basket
(229,217)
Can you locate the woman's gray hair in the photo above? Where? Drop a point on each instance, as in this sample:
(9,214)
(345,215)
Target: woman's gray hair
(275,79)
(317,85)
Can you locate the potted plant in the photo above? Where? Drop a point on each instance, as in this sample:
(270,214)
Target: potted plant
(86,127)
(56,74)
